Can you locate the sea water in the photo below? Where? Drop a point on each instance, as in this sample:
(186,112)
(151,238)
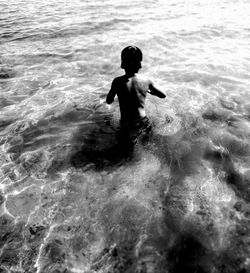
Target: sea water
(71,199)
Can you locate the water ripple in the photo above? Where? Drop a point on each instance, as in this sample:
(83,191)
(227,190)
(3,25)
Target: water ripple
(75,195)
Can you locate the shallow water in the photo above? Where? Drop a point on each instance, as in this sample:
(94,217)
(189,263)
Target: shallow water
(73,198)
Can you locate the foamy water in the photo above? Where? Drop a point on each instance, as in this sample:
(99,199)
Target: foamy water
(71,199)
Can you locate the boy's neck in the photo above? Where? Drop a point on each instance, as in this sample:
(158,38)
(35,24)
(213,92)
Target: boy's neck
(130,73)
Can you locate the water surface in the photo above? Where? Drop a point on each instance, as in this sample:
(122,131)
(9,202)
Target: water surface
(72,198)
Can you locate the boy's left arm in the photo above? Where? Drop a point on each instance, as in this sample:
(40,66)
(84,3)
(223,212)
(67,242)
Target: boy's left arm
(155,91)
(111,93)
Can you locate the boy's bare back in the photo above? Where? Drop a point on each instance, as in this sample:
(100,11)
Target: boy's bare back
(131,92)
(131,89)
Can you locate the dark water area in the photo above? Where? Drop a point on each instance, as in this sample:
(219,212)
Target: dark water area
(80,194)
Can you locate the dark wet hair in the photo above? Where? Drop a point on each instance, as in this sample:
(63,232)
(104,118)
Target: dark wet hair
(131,56)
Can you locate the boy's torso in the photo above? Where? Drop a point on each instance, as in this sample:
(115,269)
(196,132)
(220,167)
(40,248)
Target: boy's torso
(131,92)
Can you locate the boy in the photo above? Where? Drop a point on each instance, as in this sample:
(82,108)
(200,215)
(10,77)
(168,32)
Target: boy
(131,90)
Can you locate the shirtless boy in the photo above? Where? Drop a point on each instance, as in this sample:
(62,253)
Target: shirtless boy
(131,89)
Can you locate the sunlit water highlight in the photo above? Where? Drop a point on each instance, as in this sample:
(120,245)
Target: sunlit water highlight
(71,198)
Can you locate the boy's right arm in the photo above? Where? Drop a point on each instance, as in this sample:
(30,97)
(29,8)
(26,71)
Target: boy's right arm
(155,92)
(112,93)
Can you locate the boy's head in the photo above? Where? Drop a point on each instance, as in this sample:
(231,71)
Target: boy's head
(131,58)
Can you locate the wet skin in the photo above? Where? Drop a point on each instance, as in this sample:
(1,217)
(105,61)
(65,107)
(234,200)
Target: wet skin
(131,91)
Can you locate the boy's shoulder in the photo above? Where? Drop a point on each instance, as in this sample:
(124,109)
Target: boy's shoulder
(118,79)
(138,77)
(142,78)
